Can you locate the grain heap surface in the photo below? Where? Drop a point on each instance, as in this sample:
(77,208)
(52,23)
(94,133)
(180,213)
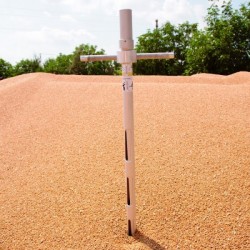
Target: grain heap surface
(62,183)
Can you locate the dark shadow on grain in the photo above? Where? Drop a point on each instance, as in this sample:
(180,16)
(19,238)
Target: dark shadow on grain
(139,236)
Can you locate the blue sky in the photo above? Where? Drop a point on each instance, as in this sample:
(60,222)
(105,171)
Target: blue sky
(48,27)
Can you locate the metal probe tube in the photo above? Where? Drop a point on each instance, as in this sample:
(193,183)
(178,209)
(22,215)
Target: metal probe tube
(127,45)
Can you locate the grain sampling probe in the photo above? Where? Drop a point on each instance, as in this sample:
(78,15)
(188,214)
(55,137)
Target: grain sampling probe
(126,57)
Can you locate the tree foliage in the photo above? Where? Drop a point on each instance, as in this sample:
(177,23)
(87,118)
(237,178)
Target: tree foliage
(167,38)
(28,66)
(223,47)
(158,40)
(90,68)
(71,64)
(6,69)
(60,65)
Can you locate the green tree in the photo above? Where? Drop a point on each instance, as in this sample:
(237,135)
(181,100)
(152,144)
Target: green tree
(6,69)
(183,35)
(157,40)
(166,38)
(28,66)
(60,65)
(224,45)
(90,68)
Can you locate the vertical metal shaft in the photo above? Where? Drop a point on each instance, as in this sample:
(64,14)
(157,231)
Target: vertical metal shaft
(127,45)
(126,57)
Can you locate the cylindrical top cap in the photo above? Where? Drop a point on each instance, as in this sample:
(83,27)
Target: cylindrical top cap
(126,33)
(126,24)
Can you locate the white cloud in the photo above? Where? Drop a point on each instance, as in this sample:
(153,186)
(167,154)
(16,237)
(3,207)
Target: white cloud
(47,41)
(175,11)
(83,6)
(68,18)
(178,11)
(49,35)
(47,13)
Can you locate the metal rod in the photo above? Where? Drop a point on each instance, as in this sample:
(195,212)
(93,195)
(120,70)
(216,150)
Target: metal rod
(94,58)
(163,55)
(125,57)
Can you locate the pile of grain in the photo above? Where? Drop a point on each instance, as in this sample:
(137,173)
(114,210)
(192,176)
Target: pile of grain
(62,180)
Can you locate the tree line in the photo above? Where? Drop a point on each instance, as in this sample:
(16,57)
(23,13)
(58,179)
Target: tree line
(222,47)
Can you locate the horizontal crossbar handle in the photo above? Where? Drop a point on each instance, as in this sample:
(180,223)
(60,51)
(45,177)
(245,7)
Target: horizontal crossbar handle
(139,56)
(162,55)
(94,58)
